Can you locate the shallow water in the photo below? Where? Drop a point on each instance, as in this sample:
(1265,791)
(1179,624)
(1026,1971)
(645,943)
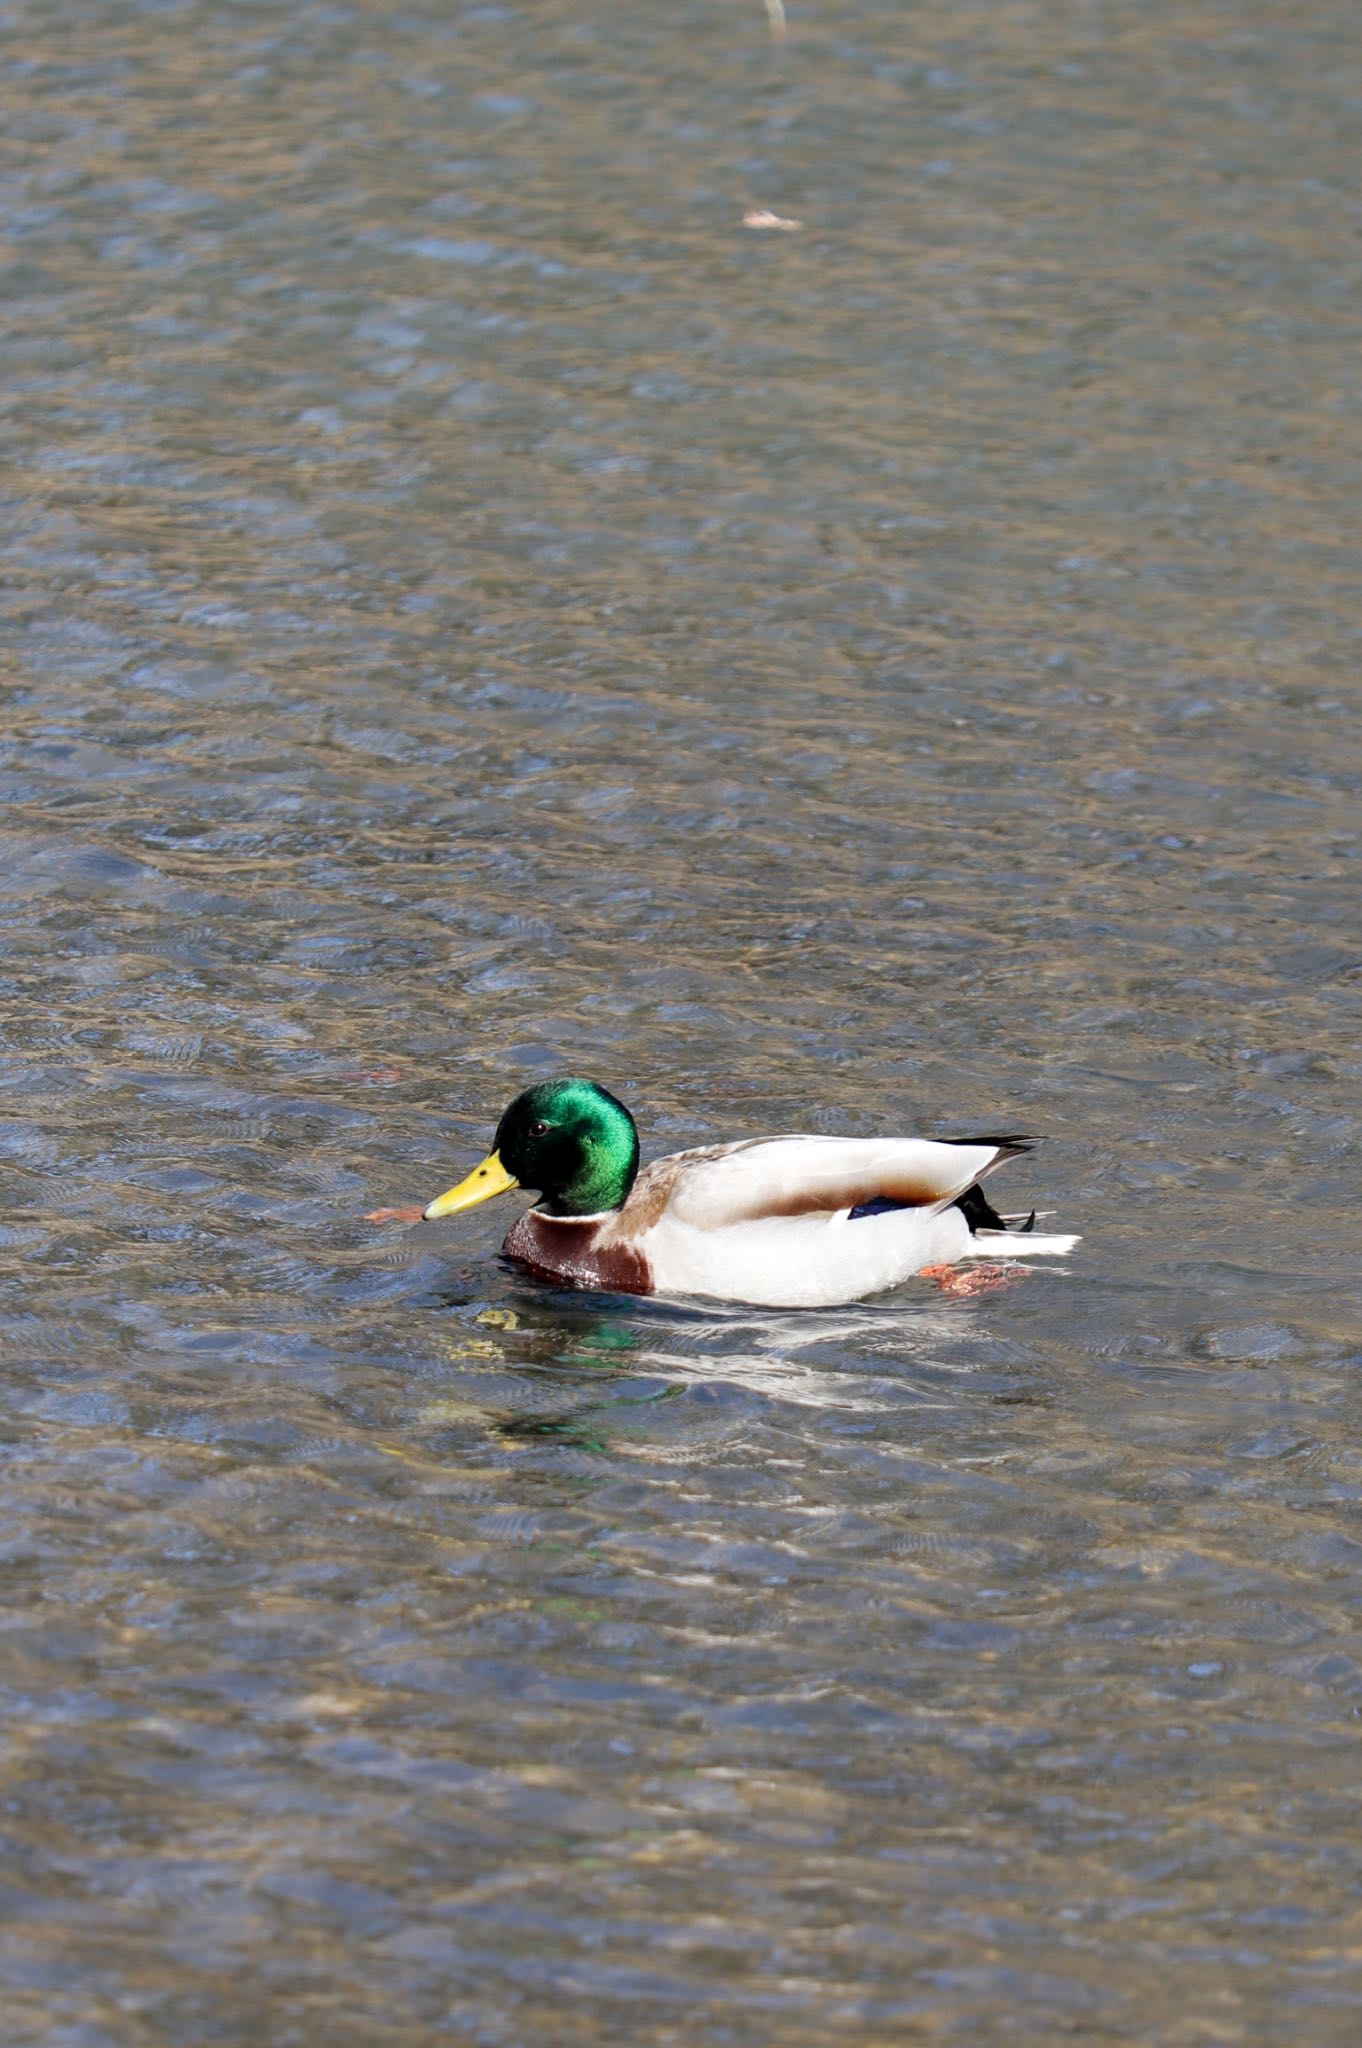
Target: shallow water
(474,608)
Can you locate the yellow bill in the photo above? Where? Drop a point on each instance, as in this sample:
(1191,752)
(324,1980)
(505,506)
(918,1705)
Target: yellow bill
(491,1178)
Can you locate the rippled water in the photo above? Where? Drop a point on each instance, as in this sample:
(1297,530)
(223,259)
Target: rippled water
(473,607)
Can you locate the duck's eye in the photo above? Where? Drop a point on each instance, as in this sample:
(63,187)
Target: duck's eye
(538,1130)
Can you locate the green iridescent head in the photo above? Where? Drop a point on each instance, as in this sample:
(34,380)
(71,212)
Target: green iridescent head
(569,1141)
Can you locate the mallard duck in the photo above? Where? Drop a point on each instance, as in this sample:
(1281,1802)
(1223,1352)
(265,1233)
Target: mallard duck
(789,1222)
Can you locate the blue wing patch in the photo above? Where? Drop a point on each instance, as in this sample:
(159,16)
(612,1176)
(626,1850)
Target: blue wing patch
(880,1206)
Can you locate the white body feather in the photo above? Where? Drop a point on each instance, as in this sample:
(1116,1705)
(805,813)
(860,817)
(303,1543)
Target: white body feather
(721,1232)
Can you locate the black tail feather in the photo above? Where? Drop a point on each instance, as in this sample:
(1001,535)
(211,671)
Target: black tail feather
(974,1205)
(978,1211)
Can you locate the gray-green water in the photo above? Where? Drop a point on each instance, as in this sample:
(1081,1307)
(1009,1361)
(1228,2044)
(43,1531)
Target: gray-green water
(473,607)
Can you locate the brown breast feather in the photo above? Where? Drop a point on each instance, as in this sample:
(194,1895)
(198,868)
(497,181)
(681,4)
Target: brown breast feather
(578,1254)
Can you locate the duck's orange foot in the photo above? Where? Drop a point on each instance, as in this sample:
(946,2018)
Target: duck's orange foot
(968,1280)
(409,1215)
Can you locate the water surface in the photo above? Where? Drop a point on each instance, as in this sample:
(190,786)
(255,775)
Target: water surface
(474,608)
